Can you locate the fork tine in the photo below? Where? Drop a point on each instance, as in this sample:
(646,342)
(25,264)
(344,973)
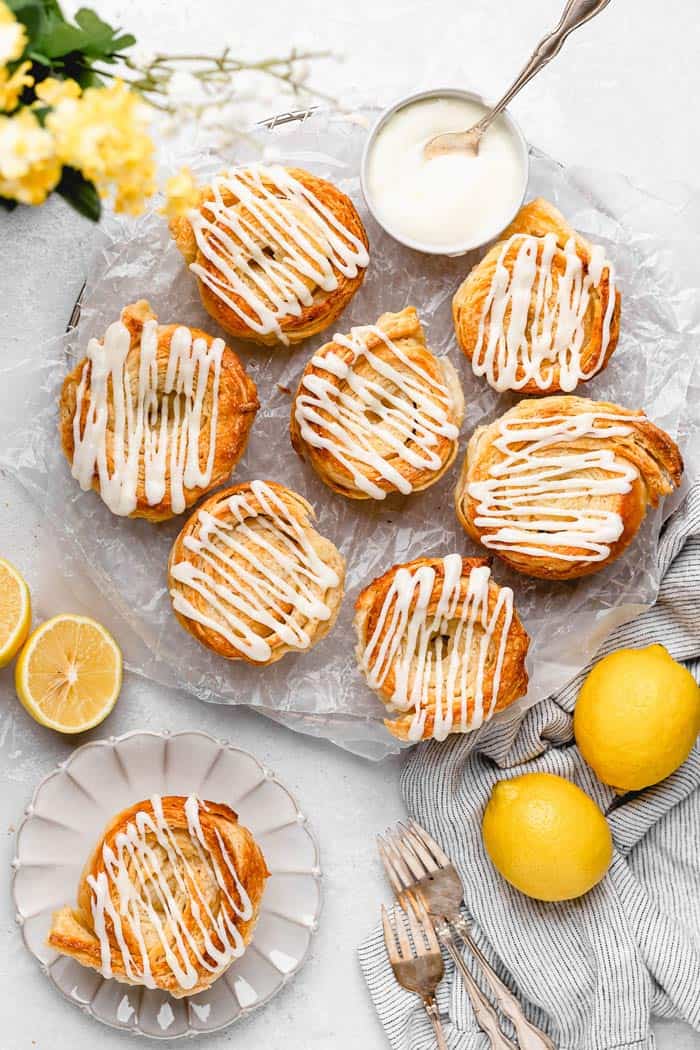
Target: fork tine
(418,902)
(389,939)
(414,922)
(428,841)
(406,853)
(404,942)
(424,855)
(398,861)
(394,880)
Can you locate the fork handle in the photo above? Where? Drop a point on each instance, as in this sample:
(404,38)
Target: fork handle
(431,1008)
(486,1016)
(530,1037)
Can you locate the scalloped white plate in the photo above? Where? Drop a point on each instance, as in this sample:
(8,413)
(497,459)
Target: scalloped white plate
(71,807)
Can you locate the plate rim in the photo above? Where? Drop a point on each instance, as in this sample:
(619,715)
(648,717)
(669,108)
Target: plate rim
(268,776)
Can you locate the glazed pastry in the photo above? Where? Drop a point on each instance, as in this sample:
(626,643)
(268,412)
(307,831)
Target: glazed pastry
(377,412)
(278,253)
(442,645)
(169,897)
(155,415)
(250,577)
(540,313)
(558,487)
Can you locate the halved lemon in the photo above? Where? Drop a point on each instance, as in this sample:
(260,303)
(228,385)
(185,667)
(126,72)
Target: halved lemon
(15,612)
(69,673)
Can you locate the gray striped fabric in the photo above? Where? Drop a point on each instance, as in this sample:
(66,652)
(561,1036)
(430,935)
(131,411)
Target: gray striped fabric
(590,972)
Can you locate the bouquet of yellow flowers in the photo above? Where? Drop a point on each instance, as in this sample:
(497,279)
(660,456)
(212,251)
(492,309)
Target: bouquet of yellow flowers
(74,106)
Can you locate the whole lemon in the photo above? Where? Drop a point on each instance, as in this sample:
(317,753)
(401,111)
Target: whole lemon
(637,717)
(546,836)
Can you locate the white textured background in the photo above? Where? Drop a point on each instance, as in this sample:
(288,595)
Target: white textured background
(622,95)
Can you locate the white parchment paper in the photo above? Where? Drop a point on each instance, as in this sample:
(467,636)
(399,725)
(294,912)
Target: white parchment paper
(119,565)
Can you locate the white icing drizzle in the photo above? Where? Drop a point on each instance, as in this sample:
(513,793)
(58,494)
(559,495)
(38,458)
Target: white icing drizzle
(269,575)
(410,420)
(412,642)
(140,896)
(308,243)
(521,501)
(132,419)
(555,334)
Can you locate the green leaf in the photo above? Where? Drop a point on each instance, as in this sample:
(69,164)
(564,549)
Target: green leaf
(52,7)
(90,36)
(102,39)
(99,32)
(123,42)
(80,194)
(60,39)
(31,14)
(41,113)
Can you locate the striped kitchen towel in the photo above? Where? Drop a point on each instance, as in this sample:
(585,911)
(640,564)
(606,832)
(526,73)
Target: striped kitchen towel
(591,972)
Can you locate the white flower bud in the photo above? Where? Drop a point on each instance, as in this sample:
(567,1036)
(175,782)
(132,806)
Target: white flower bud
(141,56)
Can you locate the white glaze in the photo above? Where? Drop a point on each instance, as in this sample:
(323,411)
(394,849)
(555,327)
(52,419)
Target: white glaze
(263,570)
(410,640)
(450,202)
(531,483)
(146,439)
(134,880)
(418,412)
(556,332)
(307,240)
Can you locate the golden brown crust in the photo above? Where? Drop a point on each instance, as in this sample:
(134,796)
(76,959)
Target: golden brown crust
(237,405)
(73,933)
(218,506)
(325,306)
(405,331)
(537,218)
(513,677)
(647,448)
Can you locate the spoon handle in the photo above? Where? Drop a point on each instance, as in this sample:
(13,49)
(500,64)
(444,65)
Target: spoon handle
(575,13)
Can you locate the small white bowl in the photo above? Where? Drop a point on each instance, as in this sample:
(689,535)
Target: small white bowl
(435,93)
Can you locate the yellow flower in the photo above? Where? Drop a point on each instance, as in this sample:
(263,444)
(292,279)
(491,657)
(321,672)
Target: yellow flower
(104,134)
(13,36)
(13,84)
(52,91)
(29,167)
(181,194)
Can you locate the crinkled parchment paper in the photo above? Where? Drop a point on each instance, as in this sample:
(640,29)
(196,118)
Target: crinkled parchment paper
(648,234)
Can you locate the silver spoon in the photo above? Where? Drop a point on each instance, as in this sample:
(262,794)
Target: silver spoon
(575,14)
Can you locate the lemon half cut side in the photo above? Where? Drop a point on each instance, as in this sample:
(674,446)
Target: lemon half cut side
(69,673)
(15,612)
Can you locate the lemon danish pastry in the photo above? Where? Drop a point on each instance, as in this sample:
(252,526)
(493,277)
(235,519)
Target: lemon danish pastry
(540,313)
(441,644)
(377,412)
(277,252)
(559,487)
(250,577)
(155,415)
(169,897)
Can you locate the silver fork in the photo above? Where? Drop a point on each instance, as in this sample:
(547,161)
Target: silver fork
(418,967)
(407,888)
(415,862)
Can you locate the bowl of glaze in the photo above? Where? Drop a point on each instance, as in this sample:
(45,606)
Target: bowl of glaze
(490,231)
